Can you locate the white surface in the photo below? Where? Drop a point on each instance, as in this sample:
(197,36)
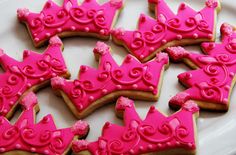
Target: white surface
(216,131)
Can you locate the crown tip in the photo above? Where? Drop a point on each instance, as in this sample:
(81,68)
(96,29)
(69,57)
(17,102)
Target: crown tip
(101,48)
(123,103)
(177,53)
(29,100)
(79,145)
(57,82)
(80,128)
(22,13)
(1,52)
(55,40)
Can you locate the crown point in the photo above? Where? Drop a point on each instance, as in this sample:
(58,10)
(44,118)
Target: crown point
(29,101)
(80,128)
(57,82)
(101,48)
(22,13)
(177,53)
(79,145)
(212,3)
(55,41)
(191,106)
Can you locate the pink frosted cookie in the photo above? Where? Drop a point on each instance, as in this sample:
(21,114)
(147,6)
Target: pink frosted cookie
(70,19)
(32,73)
(211,83)
(154,35)
(26,137)
(96,87)
(156,134)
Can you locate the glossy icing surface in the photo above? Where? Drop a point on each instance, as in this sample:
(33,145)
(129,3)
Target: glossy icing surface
(88,17)
(212,81)
(35,69)
(94,84)
(152,34)
(155,133)
(40,138)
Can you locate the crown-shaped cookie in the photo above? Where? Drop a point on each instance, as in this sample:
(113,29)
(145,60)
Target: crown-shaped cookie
(95,87)
(210,85)
(157,133)
(32,73)
(154,35)
(86,19)
(42,138)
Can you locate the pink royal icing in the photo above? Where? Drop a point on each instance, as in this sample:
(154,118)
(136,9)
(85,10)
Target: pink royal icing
(213,79)
(40,138)
(153,35)
(87,18)
(93,84)
(35,69)
(156,133)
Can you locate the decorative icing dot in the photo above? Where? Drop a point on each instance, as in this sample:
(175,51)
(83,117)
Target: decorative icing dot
(102,32)
(159,145)
(91,98)
(190,145)
(211,45)
(72,28)
(195,35)
(83,69)
(1,121)
(225,101)
(187,76)
(151,88)
(179,37)
(182,6)
(29,85)
(18,146)
(32,149)
(36,39)
(86,29)
(46,151)
(177,143)
(35,34)
(19,93)
(104,91)
(151,49)
(135,86)
(80,107)
(231,74)
(152,109)
(48,34)
(2,149)
(141,148)
(131,151)
(12,103)
(45,120)
(141,56)
(4,111)
(142,18)
(168,144)
(118,86)
(209,36)
(54,74)
(41,79)
(150,146)
(59,30)
(128,59)
(107,125)
(227,87)
(163,41)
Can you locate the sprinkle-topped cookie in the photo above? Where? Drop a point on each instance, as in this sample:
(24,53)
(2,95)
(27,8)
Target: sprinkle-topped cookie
(26,137)
(96,87)
(157,133)
(32,73)
(211,83)
(154,35)
(70,19)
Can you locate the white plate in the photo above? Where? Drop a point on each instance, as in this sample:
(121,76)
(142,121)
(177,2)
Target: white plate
(216,131)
